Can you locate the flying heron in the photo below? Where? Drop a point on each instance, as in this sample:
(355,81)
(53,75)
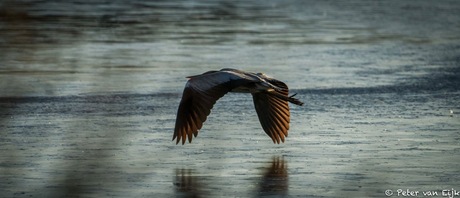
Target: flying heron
(202,91)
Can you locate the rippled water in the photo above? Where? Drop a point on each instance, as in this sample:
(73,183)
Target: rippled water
(89,92)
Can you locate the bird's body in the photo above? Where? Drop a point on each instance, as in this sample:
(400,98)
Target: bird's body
(202,91)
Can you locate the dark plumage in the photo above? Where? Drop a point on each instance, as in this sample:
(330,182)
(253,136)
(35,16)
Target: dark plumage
(202,91)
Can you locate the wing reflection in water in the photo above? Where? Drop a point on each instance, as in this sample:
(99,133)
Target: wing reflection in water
(187,184)
(274,181)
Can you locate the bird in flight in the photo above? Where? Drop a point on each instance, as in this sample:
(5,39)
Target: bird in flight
(202,91)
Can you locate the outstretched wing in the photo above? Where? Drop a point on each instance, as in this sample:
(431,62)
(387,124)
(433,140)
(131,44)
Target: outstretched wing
(273,111)
(200,94)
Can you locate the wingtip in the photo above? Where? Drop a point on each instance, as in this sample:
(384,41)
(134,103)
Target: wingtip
(177,141)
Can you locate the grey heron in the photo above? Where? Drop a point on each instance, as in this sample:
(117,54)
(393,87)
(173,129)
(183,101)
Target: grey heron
(202,91)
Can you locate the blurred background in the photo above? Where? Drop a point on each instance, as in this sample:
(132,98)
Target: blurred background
(89,92)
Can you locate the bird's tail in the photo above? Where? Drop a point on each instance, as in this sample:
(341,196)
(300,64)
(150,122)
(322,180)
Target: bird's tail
(290,99)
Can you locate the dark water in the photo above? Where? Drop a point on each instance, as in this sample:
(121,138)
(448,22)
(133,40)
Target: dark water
(89,92)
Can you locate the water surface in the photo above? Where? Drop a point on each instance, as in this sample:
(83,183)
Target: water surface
(89,93)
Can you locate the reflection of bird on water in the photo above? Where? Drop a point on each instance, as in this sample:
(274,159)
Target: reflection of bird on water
(202,91)
(275,179)
(188,185)
(274,182)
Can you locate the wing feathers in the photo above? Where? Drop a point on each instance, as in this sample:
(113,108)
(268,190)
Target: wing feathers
(200,94)
(193,111)
(273,111)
